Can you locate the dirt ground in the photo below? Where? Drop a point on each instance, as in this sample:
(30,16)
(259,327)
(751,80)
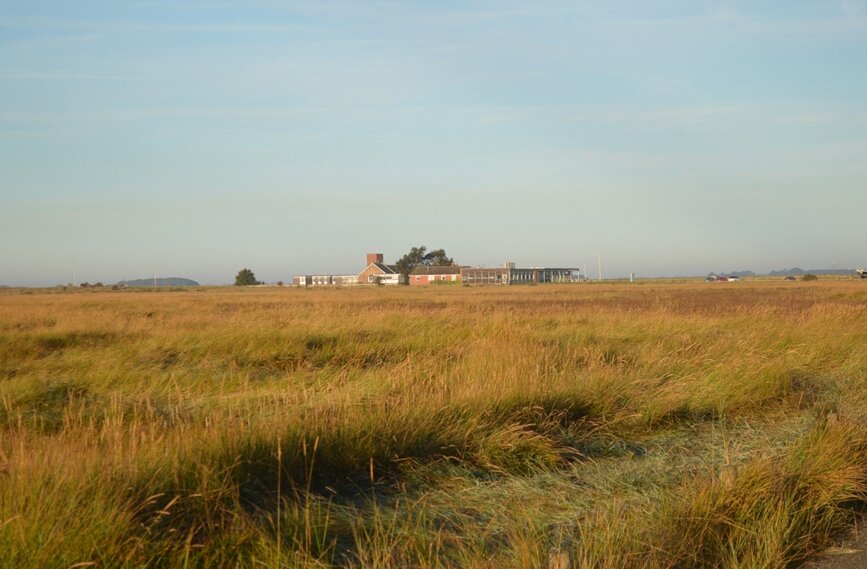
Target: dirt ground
(851,553)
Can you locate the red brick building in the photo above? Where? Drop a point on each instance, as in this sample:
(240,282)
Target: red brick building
(377,272)
(435,275)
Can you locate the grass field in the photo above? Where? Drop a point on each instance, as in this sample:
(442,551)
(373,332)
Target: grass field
(634,426)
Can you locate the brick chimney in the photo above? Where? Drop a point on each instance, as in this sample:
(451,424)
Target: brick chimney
(374,258)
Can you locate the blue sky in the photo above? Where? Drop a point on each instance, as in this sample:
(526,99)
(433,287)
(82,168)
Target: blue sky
(197,138)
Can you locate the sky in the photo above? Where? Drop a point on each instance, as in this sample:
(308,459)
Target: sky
(197,138)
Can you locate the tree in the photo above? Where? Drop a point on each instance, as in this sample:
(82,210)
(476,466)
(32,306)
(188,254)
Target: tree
(419,256)
(411,260)
(438,258)
(245,277)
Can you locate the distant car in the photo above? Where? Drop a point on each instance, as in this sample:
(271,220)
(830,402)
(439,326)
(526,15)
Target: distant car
(790,278)
(710,280)
(734,279)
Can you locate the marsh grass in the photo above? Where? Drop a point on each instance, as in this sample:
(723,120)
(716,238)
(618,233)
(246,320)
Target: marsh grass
(610,426)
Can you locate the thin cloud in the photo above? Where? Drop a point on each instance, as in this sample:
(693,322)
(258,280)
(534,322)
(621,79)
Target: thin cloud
(74,77)
(144,27)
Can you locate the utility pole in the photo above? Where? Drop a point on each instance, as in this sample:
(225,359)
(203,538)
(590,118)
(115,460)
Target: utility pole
(600,266)
(155,278)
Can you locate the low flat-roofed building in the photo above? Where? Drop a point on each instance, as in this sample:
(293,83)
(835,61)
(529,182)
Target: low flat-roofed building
(559,275)
(511,275)
(485,276)
(325,280)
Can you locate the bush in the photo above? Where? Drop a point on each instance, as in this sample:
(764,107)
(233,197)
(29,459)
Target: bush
(809,277)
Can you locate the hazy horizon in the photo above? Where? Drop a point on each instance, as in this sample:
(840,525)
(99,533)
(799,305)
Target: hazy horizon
(198,138)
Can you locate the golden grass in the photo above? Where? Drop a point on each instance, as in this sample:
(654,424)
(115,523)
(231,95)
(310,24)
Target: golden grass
(652,425)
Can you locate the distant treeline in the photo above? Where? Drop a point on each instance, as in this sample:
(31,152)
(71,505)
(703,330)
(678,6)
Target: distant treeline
(168,281)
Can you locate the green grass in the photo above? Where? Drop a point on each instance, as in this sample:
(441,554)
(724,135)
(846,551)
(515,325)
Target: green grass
(667,425)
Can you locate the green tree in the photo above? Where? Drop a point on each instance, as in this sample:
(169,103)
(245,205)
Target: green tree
(419,256)
(438,258)
(245,277)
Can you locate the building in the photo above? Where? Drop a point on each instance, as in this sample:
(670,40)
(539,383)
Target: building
(508,274)
(375,272)
(426,275)
(482,276)
(559,275)
(324,280)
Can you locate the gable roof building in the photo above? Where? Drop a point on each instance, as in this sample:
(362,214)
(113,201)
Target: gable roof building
(377,272)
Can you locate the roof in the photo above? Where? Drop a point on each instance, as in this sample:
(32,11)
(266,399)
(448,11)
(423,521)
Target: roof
(387,269)
(436,270)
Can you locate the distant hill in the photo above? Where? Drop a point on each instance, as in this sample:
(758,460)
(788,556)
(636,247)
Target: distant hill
(167,281)
(793,272)
(798,271)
